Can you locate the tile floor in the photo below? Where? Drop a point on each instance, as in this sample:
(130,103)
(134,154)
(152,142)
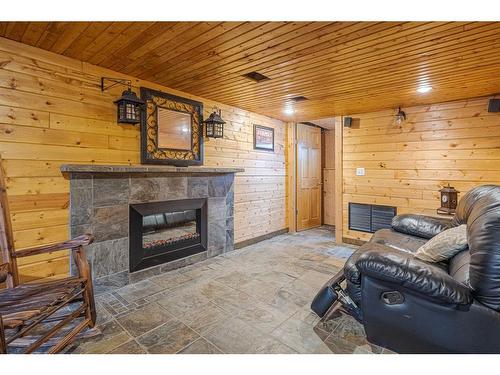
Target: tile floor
(252,300)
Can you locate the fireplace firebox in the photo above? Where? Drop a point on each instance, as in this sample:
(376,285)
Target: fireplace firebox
(161,232)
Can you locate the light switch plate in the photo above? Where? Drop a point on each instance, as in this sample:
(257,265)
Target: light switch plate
(360,171)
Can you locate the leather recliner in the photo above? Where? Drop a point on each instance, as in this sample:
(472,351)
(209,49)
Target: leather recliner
(412,306)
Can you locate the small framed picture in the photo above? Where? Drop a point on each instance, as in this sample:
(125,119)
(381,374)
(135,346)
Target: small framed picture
(263,138)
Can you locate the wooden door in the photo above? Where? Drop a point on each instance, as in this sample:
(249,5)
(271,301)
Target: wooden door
(308,177)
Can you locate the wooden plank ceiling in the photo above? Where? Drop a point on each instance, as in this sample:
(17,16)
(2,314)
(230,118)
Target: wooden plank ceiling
(340,67)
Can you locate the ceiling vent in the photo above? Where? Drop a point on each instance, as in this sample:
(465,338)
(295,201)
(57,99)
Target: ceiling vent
(297,99)
(257,77)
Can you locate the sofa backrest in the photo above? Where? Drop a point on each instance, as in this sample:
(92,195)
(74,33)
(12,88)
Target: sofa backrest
(480,210)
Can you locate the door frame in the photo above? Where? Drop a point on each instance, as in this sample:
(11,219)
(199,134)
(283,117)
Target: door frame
(291,180)
(295,175)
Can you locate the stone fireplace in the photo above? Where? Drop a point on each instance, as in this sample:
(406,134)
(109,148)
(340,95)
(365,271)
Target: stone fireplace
(150,219)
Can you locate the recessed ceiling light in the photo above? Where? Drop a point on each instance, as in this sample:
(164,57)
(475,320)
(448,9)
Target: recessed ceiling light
(289,111)
(424,89)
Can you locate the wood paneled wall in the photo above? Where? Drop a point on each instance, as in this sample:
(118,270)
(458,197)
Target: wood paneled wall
(328,158)
(52,111)
(455,142)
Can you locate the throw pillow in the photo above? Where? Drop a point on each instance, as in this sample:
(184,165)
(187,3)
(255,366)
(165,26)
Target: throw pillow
(444,245)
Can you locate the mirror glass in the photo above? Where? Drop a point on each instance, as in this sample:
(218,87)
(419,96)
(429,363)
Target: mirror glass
(174,129)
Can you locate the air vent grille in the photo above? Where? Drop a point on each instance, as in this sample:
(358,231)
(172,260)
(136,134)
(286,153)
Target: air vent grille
(370,218)
(299,99)
(256,76)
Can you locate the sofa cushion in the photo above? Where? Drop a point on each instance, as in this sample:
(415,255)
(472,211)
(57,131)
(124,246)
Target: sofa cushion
(459,267)
(420,225)
(444,245)
(398,241)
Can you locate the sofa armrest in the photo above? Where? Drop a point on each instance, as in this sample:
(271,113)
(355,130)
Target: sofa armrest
(420,225)
(403,269)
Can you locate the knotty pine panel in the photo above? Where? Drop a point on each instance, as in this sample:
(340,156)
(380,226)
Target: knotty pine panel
(52,112)
(456,142)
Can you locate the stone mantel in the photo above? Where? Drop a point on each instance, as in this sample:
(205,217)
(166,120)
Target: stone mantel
(99,168)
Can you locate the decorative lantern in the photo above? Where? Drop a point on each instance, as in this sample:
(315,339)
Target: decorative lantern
(129,106)
(400,117)
(449,199)
(215,124)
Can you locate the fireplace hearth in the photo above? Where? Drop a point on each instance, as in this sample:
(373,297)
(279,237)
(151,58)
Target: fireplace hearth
(165,231)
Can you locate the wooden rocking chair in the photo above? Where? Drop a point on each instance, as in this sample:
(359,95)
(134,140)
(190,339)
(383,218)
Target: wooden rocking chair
(27,309)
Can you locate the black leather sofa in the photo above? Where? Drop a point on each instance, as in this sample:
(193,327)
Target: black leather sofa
(411,306)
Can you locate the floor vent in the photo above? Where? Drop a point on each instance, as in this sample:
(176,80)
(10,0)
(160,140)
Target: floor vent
(256,76)
(370,218)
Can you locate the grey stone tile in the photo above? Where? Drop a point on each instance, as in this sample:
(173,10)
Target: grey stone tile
(183,301)
(173,188)
(183,262)
(262,316)
(229,234)
(230,202)
(272,346)
(109,257)
(110,283)
(235,336)
(197,187)
(315,279)
(235,278)
(300,336)
(81,181)
(131,347)
(168,338)
(110,191)
(145,189)
(112,336)
(338,345)
(350,330)
(103,315)
(170,280)
(203,319)
(145,319)
(144,274)
(138,290)
(80,206)
(200,346)
(219,185)
(234,301)
(216,208)
(110,223)
(216,237)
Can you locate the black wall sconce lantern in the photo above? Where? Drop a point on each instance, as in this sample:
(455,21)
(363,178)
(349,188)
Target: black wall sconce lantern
(215,124)
(400,117)
(129,105)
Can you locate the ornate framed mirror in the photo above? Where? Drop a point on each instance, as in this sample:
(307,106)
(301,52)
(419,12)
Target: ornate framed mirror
(171,129)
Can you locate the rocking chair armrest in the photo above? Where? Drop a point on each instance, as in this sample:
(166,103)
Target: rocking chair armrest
(4,271)
(83,240)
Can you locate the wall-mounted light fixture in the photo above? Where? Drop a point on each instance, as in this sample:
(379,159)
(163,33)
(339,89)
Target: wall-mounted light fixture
(129,106)
(400,117)
(215,124)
